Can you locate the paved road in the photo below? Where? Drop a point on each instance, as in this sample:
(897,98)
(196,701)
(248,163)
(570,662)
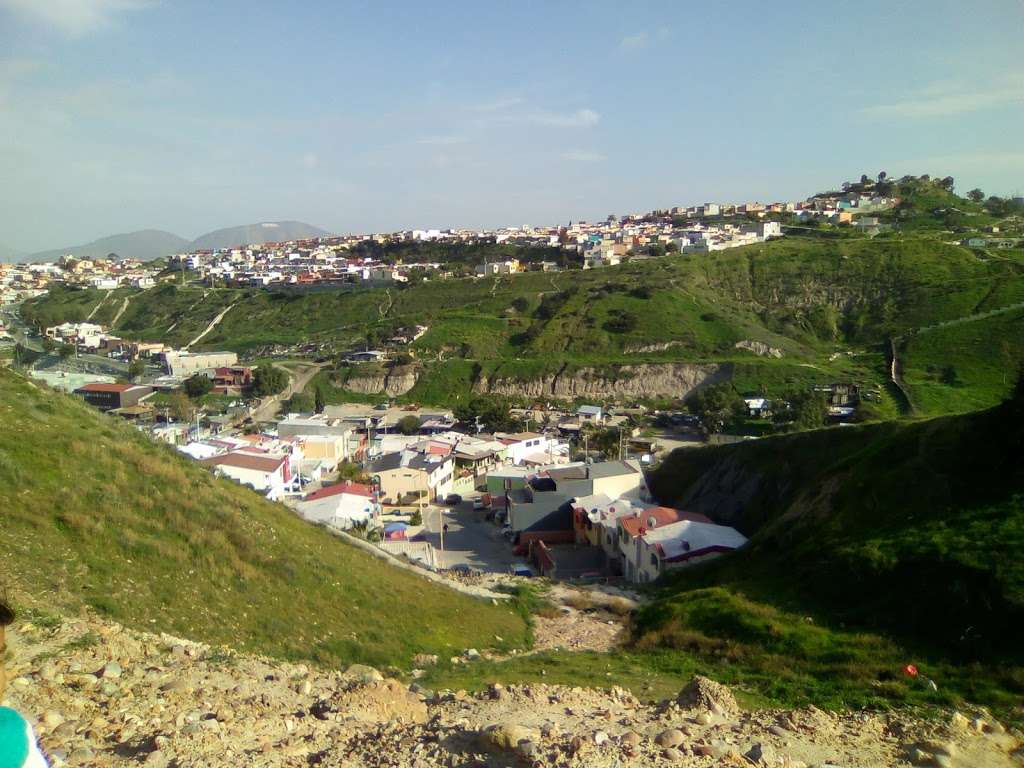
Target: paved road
(470,539)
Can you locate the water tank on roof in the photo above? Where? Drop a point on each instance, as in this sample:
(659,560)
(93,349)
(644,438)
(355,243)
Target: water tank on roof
(651,521)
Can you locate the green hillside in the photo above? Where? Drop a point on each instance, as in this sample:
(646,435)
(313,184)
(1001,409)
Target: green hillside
(94,514)
(829,302)
(913,530)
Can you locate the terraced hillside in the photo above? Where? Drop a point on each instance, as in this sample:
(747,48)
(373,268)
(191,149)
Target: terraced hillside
(94,514)
(818,305)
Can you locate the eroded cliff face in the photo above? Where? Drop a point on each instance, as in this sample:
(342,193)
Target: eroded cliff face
(395,382)
(645,380)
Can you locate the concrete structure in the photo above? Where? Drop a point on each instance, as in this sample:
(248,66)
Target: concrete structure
(184,364)
(107,397)
(411,475)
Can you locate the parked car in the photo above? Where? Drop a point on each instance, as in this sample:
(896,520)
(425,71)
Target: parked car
(453,499)
(465,570)
(478,504)
(521,569)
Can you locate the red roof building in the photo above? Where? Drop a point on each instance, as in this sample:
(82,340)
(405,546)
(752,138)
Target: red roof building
(352,489)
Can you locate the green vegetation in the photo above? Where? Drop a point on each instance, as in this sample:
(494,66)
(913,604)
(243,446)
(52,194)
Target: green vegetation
(899,541)
(269,380)
(95,515)
(827,301)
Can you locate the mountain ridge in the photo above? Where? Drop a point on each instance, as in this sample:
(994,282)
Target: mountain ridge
(147,244)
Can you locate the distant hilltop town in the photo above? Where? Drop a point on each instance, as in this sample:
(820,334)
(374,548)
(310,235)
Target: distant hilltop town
(398,257)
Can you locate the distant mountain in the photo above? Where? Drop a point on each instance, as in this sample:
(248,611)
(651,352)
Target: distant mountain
(265,232)
(149,244)
(145,244)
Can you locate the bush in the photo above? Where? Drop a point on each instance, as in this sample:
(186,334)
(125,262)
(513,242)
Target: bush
(300,402)
(621,322)
(409,425)
(197,386)
(269,380)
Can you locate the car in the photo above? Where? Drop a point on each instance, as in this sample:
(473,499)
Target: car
(465,570)
(521,569)
(478,504)
(453,499)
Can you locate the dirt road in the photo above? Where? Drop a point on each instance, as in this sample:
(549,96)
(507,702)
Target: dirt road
(299,377)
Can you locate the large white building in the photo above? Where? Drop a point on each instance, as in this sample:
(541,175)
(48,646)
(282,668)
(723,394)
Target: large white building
(181,363)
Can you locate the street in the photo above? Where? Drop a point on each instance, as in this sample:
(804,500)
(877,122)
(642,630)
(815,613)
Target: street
(470,540)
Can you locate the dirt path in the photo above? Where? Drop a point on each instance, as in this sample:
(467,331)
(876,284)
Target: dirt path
(99,304)
(213,324)
(124,306)
(298,379)
(381,309)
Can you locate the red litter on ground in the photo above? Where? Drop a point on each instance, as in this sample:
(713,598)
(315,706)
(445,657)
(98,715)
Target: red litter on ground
(911,670)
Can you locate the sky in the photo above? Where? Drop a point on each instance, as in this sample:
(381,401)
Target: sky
(118,115)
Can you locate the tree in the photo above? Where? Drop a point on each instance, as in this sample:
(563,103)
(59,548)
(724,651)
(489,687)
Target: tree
(300,402)
(520,304)
(864,178)
(65,351)
(318,400)
(197,385)
(808,410)
(135,369)
(882,176)
(656,249)
(672,247)
(493,413)
(181,407)
(716,406)
(948,183)
(976,195)
(408,425)
(269,380)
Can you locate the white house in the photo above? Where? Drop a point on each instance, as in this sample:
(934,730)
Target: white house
(341,506)
(591,413)
(681,544)
(268,474)
(523,446)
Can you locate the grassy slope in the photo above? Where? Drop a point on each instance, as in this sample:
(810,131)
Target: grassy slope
(95,514)
(911,530)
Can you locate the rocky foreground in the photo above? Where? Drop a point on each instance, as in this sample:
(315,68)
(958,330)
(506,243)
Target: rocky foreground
(101,695)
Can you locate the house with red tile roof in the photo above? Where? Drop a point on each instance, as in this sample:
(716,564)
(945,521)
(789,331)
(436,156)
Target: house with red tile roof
(658,539)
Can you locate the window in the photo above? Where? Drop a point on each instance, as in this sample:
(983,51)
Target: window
(654,560)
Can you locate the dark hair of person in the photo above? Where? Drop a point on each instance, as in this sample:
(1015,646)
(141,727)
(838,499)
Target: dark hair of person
(6,611)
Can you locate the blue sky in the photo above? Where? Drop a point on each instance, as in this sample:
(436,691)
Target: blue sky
(118,115)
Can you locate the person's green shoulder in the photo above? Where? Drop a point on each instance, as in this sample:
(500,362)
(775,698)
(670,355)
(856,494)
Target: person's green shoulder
(14,739)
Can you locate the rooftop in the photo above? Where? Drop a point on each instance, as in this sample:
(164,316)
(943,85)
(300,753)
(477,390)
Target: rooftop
(246,461)
(352,489)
